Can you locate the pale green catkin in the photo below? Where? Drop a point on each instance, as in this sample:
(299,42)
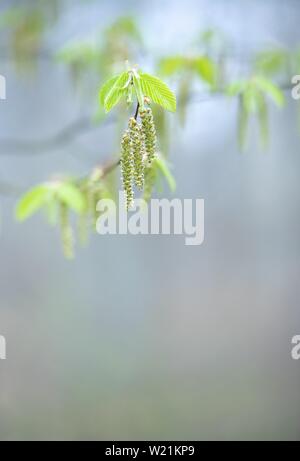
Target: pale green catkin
(67,237)
(127,168)
(95,199)
(138,151)
(149,132)
(83,222)
(150,179)
(83,228)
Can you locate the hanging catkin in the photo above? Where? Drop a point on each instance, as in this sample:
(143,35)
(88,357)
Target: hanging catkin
(138,150)
(149,132)
(67,237)
(127,168)
(150,178)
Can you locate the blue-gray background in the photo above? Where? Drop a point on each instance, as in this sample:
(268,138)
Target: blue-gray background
(144,337)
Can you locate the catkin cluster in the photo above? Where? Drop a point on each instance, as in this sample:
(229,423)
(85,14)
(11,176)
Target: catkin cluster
(88,219)
(138,150)
(127,167)
(149,182)
(149,130)
(67,236)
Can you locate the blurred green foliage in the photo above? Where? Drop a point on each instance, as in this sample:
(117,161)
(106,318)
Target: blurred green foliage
(253,94)
(102,57)
(104,54)
(26,25)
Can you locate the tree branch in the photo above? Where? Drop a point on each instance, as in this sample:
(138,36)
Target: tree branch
(13,146)
(109,167)
(10,190)
(73,130)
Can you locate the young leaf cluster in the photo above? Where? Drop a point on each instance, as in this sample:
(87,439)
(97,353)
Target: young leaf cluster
(132,85)
(253,101)
(58,198)
(99,55)
(139,142)
(189,69)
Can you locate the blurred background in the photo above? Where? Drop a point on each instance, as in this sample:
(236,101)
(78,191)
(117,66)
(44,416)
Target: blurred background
(142,337)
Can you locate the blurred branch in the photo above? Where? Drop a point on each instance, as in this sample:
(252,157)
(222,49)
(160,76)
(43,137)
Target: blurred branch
(10,190)
(13,146)
(73,130)
(44,54)
(110,166)
(65,135)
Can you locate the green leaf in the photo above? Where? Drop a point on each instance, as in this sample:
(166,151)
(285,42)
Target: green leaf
(71,196)
(164,169)
(139,90)
(235,88)
(172,65)
(112,91)
(31,202)
(106,87)
(272,90)
(271,62)
(205,69)
(158,92)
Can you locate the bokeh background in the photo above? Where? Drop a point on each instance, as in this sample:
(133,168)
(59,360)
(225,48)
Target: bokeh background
(143,337)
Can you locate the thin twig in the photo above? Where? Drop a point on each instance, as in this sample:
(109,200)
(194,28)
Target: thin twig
(110,167)
(10,190)
(13,146)
(137,111)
